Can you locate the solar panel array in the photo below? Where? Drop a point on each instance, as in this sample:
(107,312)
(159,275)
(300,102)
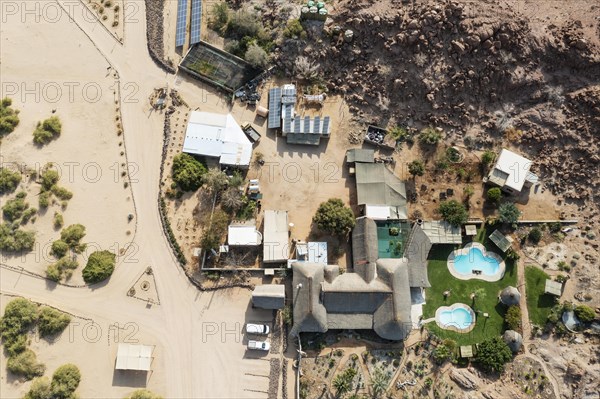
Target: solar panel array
(196,21)
(317,124)
(274,108)
(182,7)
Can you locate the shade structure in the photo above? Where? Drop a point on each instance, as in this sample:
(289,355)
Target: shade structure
(513,339)
(510,296)
(134,357)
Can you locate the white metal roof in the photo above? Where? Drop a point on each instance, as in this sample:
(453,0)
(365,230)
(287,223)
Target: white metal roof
(218,136)
(243,235)
(275,245)
(442,232)
(514,166)
(317,252)
(134,357)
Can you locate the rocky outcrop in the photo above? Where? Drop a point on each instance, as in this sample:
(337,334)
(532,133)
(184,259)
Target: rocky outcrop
(155,34)
(465,379)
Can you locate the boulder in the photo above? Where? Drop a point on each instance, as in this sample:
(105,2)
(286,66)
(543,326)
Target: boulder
(465,379)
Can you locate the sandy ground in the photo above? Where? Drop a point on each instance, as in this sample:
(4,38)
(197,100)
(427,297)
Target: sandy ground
(88,152)
(195,356)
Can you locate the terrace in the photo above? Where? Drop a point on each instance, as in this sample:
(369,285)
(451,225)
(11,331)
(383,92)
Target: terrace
(391,238)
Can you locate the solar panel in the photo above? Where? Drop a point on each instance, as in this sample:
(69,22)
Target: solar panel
(196,21)
(326,125)
(306,125)
(297,125)
(274,108)
(181,22)
(317,125)
(287,125)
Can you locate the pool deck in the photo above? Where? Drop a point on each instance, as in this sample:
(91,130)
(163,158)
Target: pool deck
(465,251)
(451,327)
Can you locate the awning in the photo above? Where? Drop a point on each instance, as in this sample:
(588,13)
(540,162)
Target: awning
(134,357)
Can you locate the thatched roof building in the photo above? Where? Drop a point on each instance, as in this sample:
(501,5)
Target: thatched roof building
(513,339)
(510,296)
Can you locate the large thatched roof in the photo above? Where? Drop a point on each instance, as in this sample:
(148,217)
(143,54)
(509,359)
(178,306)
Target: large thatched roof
(513,339)
(510,296)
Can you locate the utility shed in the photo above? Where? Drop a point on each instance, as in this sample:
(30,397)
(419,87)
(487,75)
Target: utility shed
(276,240)
(243,235)
(503,242)
(377,185)
(553,288)
(360,155)
(134,357)
(269,296)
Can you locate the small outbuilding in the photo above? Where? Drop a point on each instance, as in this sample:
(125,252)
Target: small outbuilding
(269,296)
(360,155)
(512,173)
(243,235)
(513,339)
(466,351)
(510,296)
(502,242)
(553,288)
(276,237)
(134,357)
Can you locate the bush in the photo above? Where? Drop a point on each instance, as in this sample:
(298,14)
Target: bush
(334,217)
(143,394)
(554,227)
(256,56)
(430,136)
(509,213)
(62,193)
(52,321)
(416,168)
(9,117)
(40,389)
(100,266)
(25,364)
(65,381)
(14,208)
(49,178)
(494,194)
(72,235)
(493,354)
(44,199)
(216,180)
(187,172)
(59,248)
(58,220)
(220,17)
(13,239)
(64,265)
(512,318)
(585,313)
(487,157)
(535,235)
(9,180)
(453,212)
(47,130)
(243,24)
(231,200)
(294,30)
(20,315)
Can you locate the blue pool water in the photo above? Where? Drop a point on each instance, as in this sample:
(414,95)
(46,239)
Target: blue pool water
(457,317)
(474,259)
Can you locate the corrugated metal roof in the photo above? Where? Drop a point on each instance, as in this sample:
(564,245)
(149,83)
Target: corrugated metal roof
(276,239)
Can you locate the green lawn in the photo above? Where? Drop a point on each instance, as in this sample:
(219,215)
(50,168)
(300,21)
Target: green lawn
(538,303)
(441,280)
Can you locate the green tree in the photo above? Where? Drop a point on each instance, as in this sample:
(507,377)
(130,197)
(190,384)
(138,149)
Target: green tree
(509,213)
(493,354)
(13,209)
(453,212)
(19,316)
(220,17)
(49,178)
(494,194)
(488,157)
(9,117)
(47,130)
(99,267)
(187,172)
(343,381)
(59,248)
(430,136)
(231,200)
(52,321)
(512,318)
(416,168)
(65,381)
(216,180)
(256,56)
(25,364)
(535,235)
(143,394)
(73,235)
(9,180)
(334,217)
(585,313)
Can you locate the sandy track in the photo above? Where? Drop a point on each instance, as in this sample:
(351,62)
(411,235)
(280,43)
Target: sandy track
(198,359)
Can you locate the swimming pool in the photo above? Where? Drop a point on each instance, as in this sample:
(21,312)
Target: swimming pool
(458,317)
(473,261)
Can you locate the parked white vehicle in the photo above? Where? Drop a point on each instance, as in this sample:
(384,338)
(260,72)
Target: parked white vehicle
(259,345)
(260,329)
(567,229)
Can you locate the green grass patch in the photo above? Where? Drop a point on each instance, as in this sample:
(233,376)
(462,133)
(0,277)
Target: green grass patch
(441,280)
(539,304)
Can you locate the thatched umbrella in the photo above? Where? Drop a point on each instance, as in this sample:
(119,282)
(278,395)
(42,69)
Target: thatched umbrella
(513,339)
(510,296)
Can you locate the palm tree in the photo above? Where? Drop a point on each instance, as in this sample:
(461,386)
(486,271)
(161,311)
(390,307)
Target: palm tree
(479,293)
(379,382)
